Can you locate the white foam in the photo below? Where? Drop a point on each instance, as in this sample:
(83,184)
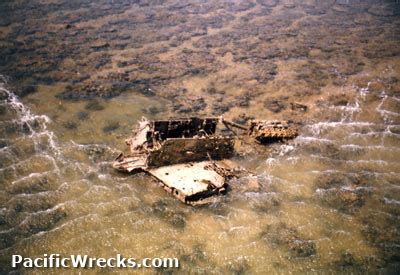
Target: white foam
(308,139)
(391,201)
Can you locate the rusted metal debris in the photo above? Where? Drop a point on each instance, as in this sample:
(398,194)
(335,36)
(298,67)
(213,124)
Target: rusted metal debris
(269,131)
(186,155)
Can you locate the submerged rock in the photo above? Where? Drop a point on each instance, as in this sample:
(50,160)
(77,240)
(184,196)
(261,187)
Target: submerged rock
(111,126)
(42,221)
(303,248)
(341,100)
(268,3)
(345,192)
(280,235)
(331,180)
(346,199)
(263,202)
(147,91)
(221,107)
(298,107)
(70,125)
(175,218)
(197,254)
(153,110)
(82,115)
(347,260)
(242,119)
(98,152)
(89,91)
(191,104)
(8,238)
(216,208)
(26,90)
(94,105)
(274,105)
(238,266)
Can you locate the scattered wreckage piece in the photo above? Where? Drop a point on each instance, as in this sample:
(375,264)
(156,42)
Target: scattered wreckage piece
(161,143)
(130,163)
(188,156)
(270,131)
(266,131)
(190,182)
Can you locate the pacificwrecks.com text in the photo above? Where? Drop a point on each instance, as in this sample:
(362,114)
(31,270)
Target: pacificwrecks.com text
(85,261)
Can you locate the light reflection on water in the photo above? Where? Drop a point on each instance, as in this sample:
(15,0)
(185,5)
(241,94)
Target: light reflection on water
(61,195)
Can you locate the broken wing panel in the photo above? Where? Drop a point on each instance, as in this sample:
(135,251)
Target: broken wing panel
(186,180)
(130,163)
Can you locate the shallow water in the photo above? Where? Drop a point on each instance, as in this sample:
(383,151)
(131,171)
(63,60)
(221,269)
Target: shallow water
(79,74)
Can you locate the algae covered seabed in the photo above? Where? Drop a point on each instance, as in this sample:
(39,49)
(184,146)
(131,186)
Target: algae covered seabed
(78,74)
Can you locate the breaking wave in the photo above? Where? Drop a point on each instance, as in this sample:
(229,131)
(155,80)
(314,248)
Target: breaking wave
(353,147)
(38,174)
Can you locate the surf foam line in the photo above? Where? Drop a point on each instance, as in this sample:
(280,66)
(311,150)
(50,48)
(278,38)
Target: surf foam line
(35,128)
(319,132)
(26,119)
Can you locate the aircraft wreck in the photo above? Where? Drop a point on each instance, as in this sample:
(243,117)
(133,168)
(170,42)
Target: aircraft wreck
(189,156)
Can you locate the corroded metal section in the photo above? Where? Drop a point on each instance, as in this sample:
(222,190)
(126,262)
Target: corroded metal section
(131,163)
(175,151)
(269,131)
(182,154)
